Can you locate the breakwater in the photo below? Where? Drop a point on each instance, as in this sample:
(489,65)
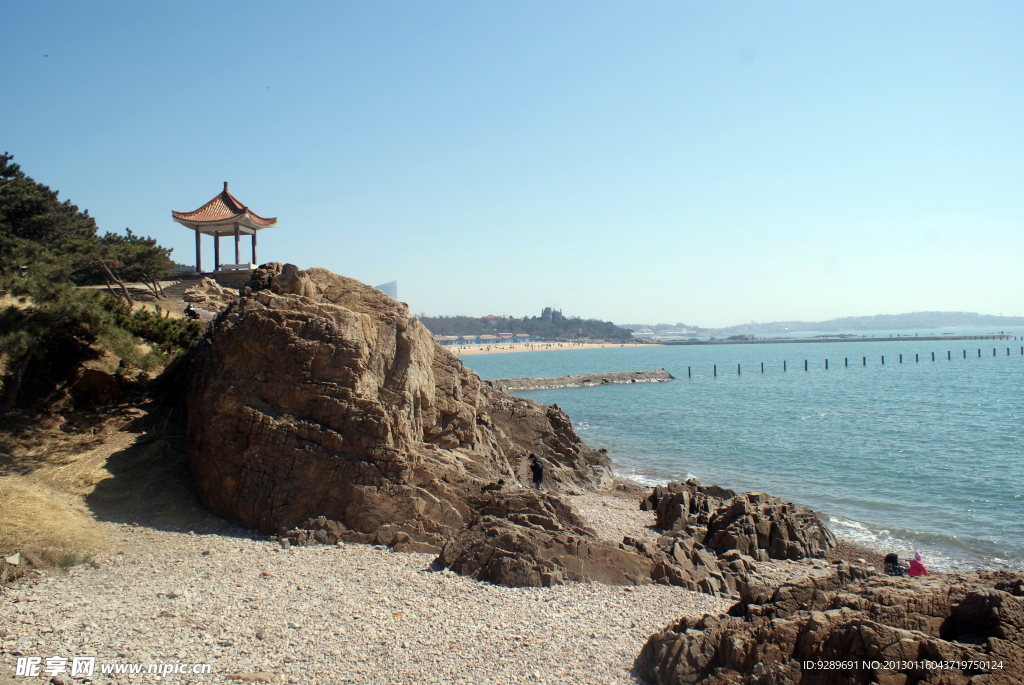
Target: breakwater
(583,380)
(864,361)
(778,341)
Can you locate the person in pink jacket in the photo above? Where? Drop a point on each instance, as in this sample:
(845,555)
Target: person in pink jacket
(916,567)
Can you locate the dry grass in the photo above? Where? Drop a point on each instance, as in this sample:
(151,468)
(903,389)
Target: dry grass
(50,529)
(61,477)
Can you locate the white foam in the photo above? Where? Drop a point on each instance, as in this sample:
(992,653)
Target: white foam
(646,479)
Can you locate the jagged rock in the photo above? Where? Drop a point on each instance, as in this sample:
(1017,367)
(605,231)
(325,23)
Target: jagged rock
(762,595)
(337,403)
(206,289)
(530,539)
(887,626)
(679,560)
(261,277)
(293,281)
(686,506)
(754,521)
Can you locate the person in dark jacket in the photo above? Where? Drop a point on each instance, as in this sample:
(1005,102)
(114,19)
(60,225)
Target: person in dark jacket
(538,471)
(893,567)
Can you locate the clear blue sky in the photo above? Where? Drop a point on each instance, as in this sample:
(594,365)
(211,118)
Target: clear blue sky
(712,163)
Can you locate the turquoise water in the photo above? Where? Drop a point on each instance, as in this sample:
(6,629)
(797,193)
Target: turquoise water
(900,457)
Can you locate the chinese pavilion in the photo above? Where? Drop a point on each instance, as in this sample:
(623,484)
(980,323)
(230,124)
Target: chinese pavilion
(224,215)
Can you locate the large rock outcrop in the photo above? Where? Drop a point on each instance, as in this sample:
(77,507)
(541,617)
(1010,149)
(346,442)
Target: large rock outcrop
(873,629)
(685,506)
(752,523)
(758,524)
(317,396)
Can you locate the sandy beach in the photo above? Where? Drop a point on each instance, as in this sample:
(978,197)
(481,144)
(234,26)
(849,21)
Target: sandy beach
(465,350)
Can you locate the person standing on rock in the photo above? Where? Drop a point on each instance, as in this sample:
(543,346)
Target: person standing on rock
(538,471)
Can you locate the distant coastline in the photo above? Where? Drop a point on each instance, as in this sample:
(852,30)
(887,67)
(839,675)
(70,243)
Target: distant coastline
(913,321)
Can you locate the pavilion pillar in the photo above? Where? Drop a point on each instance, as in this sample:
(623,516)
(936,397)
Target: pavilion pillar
(238,238)
(199,253)
(254,247)
(216,251)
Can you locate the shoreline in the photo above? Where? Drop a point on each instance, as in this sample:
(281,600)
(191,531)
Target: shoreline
(845,550)
(466,350)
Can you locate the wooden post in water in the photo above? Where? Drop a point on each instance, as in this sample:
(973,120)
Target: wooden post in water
(993,351)
(979,353)
(688,372)
(805,365)
(783,364)
(933,356)
(846,362)
(762,364)
(948,355)
(901,357)
(965,354)
(826,365)
(865,360)
(715,368)
(737,369)
(915,358)
(883,360)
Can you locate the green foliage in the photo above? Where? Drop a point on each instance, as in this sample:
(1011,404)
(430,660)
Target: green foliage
(169,335)
(54,317)
(55,240)
(557,328)
(31,211)
(56,324)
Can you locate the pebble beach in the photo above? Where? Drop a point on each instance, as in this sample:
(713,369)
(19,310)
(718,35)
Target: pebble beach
(335,614)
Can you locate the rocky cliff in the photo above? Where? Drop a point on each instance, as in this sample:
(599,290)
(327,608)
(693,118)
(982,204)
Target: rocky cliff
(316,395)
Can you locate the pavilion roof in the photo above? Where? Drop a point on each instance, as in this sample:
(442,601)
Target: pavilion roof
(223,209)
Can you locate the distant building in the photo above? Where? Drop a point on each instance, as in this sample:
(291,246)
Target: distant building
(446,339)
(390,289)
(550,315)
(484,339)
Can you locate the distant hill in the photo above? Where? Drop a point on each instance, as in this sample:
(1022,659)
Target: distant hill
(550,327)
(878,322)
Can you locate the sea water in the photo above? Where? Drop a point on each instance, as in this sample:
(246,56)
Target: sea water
(918,455)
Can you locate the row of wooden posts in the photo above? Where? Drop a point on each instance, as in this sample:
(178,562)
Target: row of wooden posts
(864,361)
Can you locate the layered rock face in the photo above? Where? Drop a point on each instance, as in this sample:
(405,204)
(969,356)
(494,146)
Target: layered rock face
(317,396)
(679,560)
(882,628)
(528,539)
